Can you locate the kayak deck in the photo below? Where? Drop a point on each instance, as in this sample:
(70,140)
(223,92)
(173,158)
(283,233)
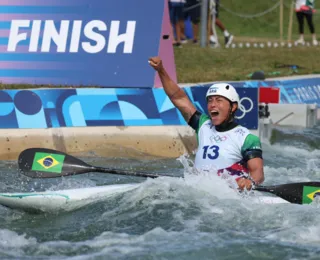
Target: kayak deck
(61,200)
(68,200)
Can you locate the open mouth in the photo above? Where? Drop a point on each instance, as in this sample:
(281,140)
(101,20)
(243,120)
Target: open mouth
(214,113)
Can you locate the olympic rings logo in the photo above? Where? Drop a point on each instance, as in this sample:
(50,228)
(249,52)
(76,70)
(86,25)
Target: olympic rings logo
(245,106)
(217,138)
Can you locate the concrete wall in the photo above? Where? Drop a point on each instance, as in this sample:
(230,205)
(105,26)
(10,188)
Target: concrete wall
(129,142)
(126,142)
(303,115)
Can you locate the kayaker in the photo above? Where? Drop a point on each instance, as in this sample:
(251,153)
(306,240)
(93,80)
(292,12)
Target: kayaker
(222,144)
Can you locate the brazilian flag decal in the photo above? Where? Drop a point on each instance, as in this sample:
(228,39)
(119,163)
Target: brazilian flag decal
(47,162)
(309,193)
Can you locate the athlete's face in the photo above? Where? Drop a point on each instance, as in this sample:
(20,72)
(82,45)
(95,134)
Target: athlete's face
(219,109)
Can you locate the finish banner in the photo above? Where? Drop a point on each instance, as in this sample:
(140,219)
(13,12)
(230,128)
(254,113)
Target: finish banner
(79,42)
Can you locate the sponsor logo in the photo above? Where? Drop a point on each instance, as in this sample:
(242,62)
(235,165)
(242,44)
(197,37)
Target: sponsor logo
(245,106)
(217,138)
(48,162)
(307,93)
(67,34)
(213,90)
(309,194)
(240,131)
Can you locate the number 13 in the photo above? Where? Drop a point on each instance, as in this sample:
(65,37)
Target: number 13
(212,152)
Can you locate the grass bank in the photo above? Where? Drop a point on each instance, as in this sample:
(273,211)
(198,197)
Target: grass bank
(196,64)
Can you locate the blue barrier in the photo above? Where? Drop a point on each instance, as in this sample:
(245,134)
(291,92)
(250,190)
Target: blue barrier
(51,108)
(293,91)
(306,91)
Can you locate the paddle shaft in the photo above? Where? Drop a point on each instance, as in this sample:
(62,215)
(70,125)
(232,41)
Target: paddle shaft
(263,188)
(124,172)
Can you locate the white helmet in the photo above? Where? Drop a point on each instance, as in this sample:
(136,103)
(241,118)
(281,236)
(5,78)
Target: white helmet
(225,90)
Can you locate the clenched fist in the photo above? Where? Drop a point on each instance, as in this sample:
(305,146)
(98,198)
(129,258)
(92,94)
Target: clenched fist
(156,63)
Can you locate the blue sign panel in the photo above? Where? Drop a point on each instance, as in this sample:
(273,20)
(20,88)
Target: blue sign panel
(293,91)
(79,42)
(46,108)
(306,91)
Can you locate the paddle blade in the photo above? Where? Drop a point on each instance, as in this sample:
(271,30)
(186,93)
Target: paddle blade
(47,163)
(298,193)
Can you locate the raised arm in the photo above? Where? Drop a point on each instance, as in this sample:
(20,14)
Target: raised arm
(177,96)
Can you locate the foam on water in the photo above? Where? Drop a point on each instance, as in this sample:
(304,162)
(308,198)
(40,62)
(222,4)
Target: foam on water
(298,235)
(72,183)
(10,239)
(14,245)
(173,216)
(292,151)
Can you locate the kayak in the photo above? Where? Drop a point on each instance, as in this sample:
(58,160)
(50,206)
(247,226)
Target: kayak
(72,199)
(61,200)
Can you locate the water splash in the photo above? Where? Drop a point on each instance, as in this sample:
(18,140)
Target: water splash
(72,183)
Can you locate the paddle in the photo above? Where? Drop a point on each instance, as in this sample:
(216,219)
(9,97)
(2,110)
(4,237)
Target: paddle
(298,193)
(47,163)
